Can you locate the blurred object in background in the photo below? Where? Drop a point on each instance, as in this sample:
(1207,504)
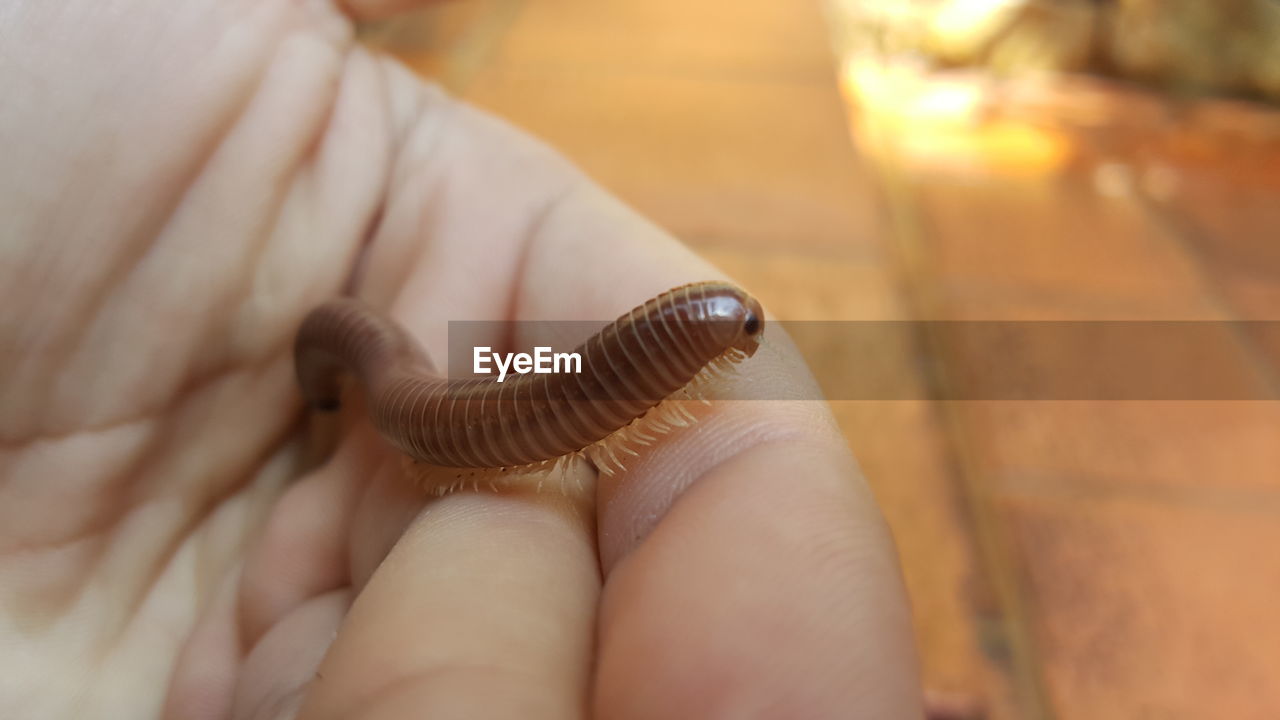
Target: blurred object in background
(1199,174)
(1093,161)
(1186,46)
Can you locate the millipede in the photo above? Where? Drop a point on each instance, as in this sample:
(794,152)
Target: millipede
(662,349)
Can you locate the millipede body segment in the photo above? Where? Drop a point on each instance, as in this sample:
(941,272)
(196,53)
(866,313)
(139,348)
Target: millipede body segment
(628,368)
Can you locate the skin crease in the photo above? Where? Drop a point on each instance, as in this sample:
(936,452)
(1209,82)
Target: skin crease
(183,181)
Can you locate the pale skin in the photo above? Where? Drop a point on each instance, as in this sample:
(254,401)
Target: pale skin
(182,182)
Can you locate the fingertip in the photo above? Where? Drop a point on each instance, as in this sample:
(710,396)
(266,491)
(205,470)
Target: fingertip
(633,503)
(769,398)
(770,588)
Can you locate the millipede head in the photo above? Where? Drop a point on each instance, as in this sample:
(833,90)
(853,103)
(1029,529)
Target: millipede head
(740,317)
(752,327)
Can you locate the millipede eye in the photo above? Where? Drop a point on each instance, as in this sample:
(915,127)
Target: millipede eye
(751,325)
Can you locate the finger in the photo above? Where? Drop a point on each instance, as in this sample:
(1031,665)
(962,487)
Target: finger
(303,548)
(204,674)
(747,567)
(466,199)
(482,609)
(283,664)
(768,588)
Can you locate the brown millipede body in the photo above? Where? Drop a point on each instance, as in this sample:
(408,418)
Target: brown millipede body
(629,368)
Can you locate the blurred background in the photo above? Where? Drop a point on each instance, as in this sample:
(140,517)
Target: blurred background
(959,160)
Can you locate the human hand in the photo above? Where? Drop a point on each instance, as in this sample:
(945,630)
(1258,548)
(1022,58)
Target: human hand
(183,182)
